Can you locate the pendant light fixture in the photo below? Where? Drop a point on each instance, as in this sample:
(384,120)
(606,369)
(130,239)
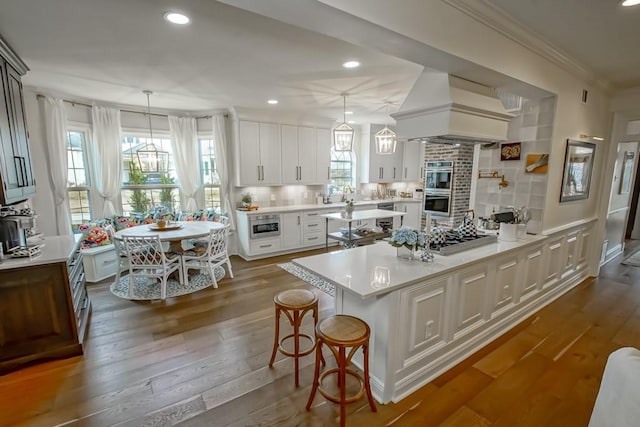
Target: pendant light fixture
(386,139)
(343,133)
(150,158)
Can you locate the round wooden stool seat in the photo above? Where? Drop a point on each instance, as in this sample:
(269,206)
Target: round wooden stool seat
(341,333)
(295,304)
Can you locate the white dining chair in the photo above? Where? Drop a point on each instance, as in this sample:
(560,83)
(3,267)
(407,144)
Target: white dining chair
(147,258)
(121,252)
(209,257)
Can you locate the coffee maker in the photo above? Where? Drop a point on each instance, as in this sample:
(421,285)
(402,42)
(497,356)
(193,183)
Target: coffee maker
(13,231)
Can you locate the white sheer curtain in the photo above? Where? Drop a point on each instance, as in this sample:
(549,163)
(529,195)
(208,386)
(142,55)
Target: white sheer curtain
(55,121)
(220,138)
(107,156)
(184,140)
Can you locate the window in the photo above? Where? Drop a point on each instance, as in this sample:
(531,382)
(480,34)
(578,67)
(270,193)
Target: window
(148,186)
(77,177)
(341,170)
(209,171)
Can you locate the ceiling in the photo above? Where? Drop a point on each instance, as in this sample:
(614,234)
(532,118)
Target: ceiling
(110,50)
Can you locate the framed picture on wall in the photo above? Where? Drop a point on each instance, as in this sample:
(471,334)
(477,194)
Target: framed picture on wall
(626,174)
(510,151)
(578,167)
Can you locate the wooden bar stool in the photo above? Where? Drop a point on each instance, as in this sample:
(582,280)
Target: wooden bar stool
(295,304)
(339,333)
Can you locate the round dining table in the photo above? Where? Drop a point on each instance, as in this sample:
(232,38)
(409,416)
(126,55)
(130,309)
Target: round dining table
(174,232)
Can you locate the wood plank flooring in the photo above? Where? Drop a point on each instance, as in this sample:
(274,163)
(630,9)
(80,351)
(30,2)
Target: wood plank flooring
(201,360)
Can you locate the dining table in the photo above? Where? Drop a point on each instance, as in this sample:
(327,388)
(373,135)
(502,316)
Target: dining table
(173,232)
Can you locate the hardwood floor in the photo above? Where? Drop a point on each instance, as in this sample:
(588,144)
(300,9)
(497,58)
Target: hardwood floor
(201,360)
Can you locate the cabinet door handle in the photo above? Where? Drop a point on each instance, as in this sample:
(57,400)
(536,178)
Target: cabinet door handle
(258,172)
(394,173)
(328,172)
(298,219)
(405,172)
(24,171)
(262,172)
(380,173)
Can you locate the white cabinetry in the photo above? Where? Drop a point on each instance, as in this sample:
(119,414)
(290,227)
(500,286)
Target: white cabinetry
(306,155)
(323,156)
(413,161)
(413,217)
(298,155)
(425,320)
(470,290)
(313,228)
(258,155)
(379,167)
(291,230)
(100,263)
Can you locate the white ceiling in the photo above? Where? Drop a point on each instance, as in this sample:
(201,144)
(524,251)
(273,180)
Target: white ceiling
(601,34)
(110,50)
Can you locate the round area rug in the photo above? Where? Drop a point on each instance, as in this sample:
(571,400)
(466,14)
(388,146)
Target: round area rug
(148,288)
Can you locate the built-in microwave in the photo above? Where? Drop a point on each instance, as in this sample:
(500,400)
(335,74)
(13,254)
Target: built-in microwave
(264,226)
(438,176)
(437,203)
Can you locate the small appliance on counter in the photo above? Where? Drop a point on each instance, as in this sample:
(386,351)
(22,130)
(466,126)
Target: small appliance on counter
(13,231)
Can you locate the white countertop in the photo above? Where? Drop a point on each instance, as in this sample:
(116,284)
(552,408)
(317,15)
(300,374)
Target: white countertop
(376,269)
(362,215)
(329,206)
(55,249)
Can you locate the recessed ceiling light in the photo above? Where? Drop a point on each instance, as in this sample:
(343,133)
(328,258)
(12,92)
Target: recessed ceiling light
(351,64)
(176,18)
(348,112)
(630,2)
(272,101)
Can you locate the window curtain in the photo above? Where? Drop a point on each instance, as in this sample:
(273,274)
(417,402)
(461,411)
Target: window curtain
(55,120)
(107,156)
(220,138)
(184,141)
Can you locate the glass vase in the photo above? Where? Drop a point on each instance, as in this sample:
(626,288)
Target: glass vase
(406,253)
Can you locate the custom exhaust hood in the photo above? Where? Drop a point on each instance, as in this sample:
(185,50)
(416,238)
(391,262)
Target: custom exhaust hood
(442,108)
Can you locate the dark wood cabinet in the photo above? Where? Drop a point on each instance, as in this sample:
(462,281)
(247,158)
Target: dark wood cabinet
(44,312)
(16,171)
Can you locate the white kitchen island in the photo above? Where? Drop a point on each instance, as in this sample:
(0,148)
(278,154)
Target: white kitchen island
(427,317)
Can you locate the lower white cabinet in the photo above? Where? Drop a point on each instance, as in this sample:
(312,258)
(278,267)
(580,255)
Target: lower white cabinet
(100,263)
(470,292)
(291,230)
(265,246)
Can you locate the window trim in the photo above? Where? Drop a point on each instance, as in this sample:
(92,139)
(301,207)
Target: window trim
(88,167)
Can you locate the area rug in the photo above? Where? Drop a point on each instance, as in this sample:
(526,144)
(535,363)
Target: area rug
(310,278)
(148,289)
(633,259)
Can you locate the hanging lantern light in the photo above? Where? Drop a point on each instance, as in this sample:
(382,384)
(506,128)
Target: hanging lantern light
(386,139)
(343,133)
(150,158)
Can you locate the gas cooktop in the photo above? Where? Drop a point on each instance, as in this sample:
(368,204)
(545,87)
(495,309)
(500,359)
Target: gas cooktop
(455,242)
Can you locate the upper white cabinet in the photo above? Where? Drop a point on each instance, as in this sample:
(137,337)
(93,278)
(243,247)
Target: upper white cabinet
(306,155)
(379,167)
(413,217)
(258,159)
(16,173)
(413,161)
(323,156)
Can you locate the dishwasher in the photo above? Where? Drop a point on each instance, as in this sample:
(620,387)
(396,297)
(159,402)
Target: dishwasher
(385,223)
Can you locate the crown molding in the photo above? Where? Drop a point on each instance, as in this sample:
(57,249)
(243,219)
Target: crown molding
(497,19)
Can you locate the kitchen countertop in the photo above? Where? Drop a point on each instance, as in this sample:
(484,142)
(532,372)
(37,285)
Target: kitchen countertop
(329,206)
(354,269)
(55,249)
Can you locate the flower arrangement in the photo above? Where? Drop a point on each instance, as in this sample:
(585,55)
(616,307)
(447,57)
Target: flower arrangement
(408,237)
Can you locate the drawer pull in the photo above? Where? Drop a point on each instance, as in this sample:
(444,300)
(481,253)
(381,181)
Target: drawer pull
(312,225)
(312,214)
(109,261)
(313,238)
(265,246)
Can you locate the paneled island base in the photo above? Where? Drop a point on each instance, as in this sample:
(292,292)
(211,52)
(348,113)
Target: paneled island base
(427,317)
